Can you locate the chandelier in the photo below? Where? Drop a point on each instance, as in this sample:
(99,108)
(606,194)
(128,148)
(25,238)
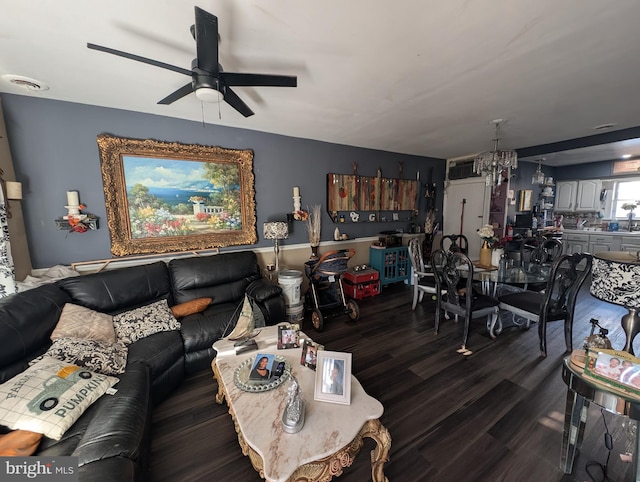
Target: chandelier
(491,163)
(538,176)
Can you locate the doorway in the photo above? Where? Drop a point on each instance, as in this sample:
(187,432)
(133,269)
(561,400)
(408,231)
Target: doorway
(473,194)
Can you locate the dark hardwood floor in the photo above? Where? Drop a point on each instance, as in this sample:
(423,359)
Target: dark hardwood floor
(496,415)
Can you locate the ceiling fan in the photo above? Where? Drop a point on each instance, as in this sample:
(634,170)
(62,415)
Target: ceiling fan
(209,82)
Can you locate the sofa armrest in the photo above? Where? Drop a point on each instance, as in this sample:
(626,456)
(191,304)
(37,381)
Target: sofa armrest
(261,290)
(269,299)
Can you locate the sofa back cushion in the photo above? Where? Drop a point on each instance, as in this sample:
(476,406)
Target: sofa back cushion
(222,277)
(26,322)
(121,289)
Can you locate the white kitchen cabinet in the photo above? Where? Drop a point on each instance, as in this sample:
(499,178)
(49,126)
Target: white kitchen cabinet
(566,192)
(599,243)
(588,197)
(630,243)
(575,243)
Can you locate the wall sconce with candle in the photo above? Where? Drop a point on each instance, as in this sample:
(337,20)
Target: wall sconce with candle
(76,221)
(298,214)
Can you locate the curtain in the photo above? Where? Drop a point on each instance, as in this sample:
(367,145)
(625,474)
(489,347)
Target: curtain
(7,271)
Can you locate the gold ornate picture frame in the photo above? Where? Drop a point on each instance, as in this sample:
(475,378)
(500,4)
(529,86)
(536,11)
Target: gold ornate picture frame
(168,197)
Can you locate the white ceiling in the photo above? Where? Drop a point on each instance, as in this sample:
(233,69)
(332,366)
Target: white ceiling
(424,77)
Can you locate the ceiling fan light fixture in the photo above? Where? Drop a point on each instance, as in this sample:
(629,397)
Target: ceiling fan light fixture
(210,95)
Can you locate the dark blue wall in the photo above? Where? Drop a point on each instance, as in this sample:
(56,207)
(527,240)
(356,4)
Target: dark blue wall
(591,170)
(54,150)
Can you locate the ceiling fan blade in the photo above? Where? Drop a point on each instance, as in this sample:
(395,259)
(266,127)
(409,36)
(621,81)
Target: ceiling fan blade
(256,80)
(178,94)
(206,34)
(231,98)
(137,58)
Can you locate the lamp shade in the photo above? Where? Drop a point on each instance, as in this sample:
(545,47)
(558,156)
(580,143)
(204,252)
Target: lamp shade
(275,230)
(615,278)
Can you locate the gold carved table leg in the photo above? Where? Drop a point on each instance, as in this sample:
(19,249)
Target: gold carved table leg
(216,374)
(333,465)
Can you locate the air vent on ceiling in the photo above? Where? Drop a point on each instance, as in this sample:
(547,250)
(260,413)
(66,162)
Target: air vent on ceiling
(32,85)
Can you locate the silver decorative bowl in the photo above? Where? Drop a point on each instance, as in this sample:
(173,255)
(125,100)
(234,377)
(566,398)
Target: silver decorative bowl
(241,376)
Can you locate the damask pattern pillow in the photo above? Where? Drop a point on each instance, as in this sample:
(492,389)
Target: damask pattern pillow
(98,356)
(79,322)
(49,396)
(147,320)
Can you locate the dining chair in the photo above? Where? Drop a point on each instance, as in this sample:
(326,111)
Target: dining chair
(553,249)
(557,302)
(454,274)
(423,279)
(455,243)
(540,250)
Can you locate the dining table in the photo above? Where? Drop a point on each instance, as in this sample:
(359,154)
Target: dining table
(494,282)
(517,277)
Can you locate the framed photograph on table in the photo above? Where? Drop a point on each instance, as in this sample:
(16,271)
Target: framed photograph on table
(333,377)
(262,368)
(309,356)
(287,337)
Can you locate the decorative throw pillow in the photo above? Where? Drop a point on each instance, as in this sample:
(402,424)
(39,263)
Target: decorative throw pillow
(190,307)
(147,320)
(49,396)
(19,443)
(101,357)
(79,322)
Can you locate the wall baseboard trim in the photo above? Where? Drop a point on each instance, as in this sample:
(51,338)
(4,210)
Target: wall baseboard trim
(95,266)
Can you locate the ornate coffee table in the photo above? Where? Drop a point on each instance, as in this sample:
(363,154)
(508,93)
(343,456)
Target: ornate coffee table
(332,435)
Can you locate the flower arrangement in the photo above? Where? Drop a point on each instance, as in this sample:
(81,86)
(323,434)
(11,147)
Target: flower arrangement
(486,234)
(81,223)
(630,206)
(300,215)
(77,225)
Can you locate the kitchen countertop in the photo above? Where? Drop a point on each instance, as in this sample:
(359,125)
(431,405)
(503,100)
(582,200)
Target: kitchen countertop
(605,233)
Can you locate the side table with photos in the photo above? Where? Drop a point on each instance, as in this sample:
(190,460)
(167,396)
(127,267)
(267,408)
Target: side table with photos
(333,433)
(585,385)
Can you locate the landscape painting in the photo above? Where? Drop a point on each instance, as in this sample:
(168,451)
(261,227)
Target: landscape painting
(169,197)
(165,197)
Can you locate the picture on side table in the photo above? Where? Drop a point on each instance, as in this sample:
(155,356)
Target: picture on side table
(287,337)
(262,367)
(333,377)
(309,357)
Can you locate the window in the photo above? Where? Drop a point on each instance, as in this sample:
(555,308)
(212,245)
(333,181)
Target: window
(625,192)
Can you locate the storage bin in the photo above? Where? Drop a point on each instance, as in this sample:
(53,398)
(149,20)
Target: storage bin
(357,291)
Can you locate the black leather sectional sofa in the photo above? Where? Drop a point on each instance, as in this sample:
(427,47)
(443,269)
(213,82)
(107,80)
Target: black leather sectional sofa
(111,439)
